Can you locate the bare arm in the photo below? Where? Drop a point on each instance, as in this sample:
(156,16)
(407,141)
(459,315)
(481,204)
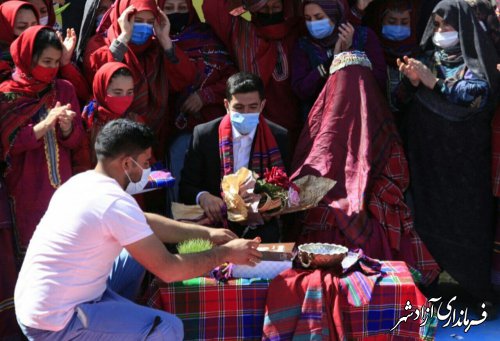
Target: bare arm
(152,254)
(171,231)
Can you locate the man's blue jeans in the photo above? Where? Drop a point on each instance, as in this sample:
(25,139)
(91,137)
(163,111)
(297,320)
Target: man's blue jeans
(114,316)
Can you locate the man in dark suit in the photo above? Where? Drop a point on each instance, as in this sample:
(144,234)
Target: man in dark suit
(242,138)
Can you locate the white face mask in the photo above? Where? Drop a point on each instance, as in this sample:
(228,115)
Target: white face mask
(44,21)
(445,39)
(138,187)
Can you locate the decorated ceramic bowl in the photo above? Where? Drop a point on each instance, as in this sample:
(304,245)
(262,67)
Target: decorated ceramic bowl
(321,255)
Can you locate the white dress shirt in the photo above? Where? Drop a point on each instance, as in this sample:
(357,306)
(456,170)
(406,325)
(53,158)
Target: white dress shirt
(242,147)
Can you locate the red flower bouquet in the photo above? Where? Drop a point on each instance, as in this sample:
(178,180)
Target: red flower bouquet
(249,198)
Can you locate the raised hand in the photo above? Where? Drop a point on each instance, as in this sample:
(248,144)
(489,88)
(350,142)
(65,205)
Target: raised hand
(126,23)
(69,44)
(162,30)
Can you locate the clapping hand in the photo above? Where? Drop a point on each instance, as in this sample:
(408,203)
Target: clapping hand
(65,120)
(59,113)
(409,70)
(346,34)
(424,73)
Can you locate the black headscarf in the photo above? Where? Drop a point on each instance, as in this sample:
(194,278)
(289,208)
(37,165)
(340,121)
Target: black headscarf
(476,48)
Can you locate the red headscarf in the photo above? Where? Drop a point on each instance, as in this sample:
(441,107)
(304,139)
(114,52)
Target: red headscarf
(100,86)
(51,13)
(267,46)
(22,50)
(17,108)
(119,7)
(8,13)
(147,65)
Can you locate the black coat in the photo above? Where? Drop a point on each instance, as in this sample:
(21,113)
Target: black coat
(202,169)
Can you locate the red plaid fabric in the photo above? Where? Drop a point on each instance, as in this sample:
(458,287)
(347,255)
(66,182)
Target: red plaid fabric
(365,306)
(384,219)
(211,311)
(386,306)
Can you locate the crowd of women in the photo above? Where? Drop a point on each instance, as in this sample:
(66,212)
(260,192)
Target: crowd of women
(412,140)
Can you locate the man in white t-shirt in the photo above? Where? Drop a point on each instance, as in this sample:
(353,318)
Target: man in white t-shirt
(87,256)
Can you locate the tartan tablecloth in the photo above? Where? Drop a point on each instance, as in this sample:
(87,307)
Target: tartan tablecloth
(385,307)
(369,306)
(211,311)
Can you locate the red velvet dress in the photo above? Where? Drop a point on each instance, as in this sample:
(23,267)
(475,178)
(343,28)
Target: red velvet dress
(351,137)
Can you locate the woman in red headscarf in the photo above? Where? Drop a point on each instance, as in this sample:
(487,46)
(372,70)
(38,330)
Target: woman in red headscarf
(113,94)
(45,11)
(39,127)
(262,46)
(157,65)
(203,101)
(15,17)
(351,137)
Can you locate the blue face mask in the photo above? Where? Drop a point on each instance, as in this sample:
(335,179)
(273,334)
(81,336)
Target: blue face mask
(141,33)
(320,29)
(244,123)
(396,32)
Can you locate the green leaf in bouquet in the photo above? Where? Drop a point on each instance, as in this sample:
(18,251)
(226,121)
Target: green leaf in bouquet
(261,186)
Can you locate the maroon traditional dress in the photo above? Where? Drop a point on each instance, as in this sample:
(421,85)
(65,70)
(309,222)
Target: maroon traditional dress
(351,137)
(34,168)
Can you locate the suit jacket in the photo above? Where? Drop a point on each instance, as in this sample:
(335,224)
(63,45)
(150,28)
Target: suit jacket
(202,169)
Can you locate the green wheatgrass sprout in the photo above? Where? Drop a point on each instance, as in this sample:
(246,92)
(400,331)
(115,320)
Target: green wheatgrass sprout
(194,246)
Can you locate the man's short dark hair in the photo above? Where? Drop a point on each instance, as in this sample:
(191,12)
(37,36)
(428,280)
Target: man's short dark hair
(244,82)
(123,137)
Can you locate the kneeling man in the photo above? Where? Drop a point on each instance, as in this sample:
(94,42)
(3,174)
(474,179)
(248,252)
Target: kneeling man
(73,285)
